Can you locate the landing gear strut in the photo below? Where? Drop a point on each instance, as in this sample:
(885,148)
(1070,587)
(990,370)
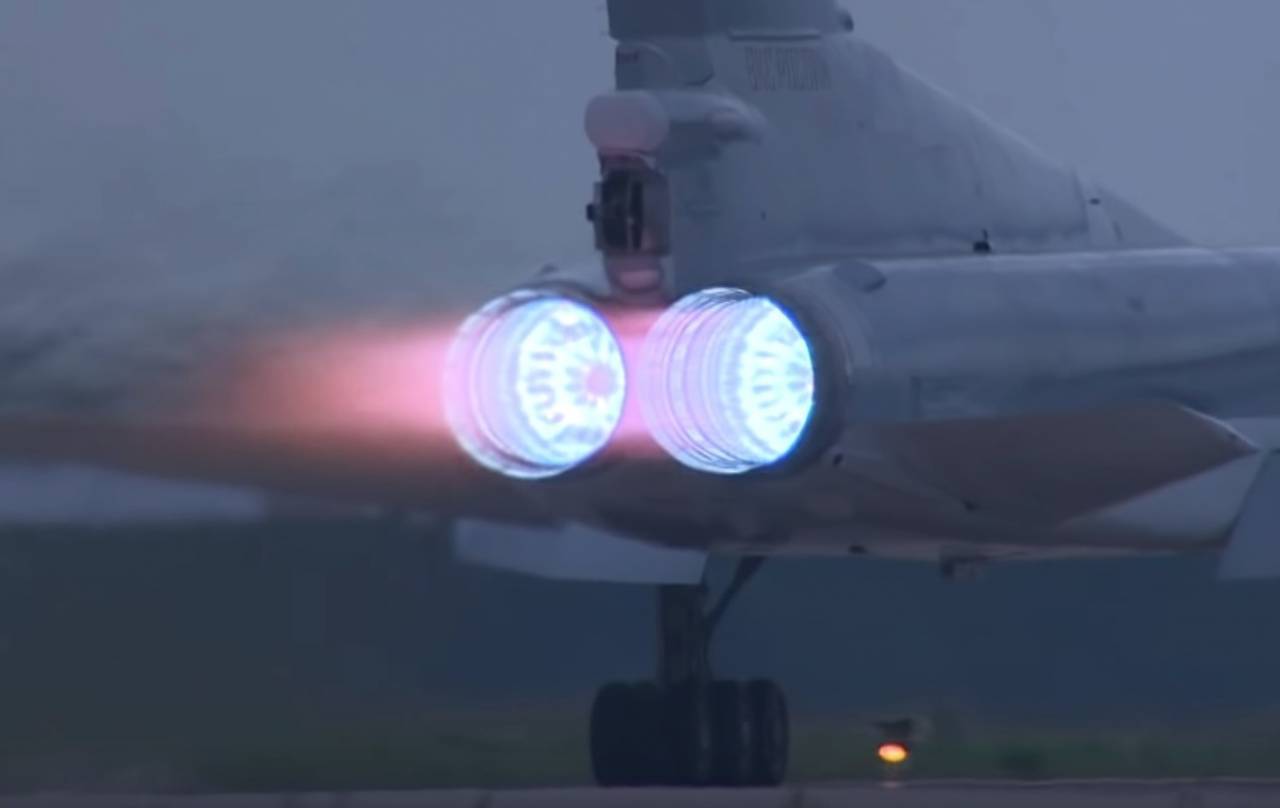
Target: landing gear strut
(688,728)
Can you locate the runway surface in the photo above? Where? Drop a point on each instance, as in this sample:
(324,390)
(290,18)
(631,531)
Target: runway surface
(1101,794)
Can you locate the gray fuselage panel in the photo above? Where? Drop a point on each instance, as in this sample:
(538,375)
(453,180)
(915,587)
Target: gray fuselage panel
(846,153)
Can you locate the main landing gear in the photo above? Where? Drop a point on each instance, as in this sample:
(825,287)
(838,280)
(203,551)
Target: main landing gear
(688,728)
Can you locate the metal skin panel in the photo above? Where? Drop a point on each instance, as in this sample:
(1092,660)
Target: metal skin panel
(849,153)
(947,339)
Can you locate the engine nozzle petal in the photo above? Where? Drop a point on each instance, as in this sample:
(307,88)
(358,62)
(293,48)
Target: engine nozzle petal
(535,384)
(730,382)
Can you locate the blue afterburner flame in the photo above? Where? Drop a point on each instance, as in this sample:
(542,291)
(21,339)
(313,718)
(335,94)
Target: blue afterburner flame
(729,382)
(535,385)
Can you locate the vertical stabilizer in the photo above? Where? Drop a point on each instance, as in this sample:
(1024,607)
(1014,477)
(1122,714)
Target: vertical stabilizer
(744,133)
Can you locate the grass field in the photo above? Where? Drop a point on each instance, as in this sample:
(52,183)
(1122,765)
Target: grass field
(527,748)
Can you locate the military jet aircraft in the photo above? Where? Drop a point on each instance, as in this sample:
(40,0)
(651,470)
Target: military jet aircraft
(835,312)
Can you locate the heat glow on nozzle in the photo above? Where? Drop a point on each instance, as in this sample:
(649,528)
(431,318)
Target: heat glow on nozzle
(535,384)
(729,382)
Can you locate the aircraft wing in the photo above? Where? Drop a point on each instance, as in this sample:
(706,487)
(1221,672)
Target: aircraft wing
(387,469)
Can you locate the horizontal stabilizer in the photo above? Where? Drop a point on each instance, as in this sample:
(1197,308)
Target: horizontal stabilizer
(1254,548)
(1060,466)
(575,553)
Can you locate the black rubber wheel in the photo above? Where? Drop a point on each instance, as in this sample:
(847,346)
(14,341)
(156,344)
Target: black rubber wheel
(689,733)
(731,735)
(771,733)
(626,736)
(650,757)
(610,752)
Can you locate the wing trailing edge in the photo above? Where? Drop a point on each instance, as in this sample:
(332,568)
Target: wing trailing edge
(575,553)
(1253,551)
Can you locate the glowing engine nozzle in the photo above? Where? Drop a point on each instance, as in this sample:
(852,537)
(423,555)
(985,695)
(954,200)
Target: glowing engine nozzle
(730,382)
(535,384)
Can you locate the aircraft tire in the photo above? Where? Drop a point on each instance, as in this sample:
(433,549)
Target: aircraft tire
(649,761)
(626,736)
(690,734)
(771,733)
(731,733)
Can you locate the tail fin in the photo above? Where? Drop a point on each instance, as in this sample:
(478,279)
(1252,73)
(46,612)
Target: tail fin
(784,134)
(659,19)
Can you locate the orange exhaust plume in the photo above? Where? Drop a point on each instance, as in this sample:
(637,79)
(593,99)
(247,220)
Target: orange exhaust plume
(369,381)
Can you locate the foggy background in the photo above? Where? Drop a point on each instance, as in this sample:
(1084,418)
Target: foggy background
(172,171)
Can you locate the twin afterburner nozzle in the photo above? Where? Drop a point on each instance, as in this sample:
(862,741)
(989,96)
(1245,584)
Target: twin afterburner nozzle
(536,383)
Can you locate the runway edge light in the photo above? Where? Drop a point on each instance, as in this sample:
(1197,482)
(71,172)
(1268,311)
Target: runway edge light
(892,753)
(896,747)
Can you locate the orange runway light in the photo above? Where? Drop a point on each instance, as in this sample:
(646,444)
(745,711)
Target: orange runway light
(893,754)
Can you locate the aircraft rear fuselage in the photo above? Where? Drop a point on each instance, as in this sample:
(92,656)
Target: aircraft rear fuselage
(1013,355)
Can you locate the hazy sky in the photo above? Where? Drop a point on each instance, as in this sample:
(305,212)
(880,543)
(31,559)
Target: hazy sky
(1171,101)
(190,147)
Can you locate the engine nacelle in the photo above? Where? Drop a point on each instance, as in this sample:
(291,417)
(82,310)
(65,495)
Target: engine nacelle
(771,374)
